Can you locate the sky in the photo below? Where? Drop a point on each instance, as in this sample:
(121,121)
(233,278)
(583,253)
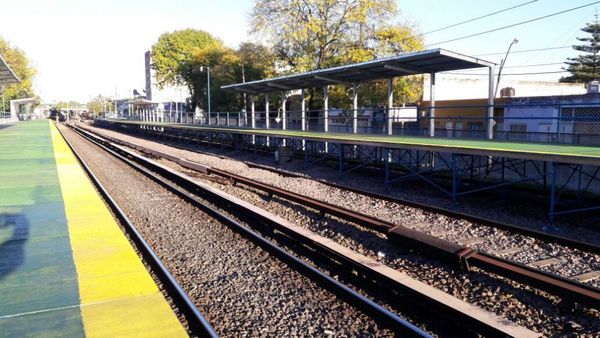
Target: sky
(85,48)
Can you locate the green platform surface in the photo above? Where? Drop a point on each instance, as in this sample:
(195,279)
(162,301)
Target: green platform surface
(536,151)
(39,294)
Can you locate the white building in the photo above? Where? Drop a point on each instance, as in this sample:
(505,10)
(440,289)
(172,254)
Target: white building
(167,94)
(451,86)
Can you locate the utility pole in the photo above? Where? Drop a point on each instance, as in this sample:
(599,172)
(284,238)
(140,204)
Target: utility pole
(514,42)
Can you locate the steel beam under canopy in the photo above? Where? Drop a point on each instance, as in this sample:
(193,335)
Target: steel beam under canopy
(424,62)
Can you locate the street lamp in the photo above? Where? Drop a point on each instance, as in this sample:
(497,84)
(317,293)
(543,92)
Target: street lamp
(208,80)
(514,42)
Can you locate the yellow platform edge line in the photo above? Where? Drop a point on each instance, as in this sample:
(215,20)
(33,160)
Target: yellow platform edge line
(118,296)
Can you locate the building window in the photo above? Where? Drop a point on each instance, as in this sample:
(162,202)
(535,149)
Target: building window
(518,131)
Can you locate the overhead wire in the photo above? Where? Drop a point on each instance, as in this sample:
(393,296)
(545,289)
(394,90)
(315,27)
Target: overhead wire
(510,74)
(478,18)
(525,51)
(515,24)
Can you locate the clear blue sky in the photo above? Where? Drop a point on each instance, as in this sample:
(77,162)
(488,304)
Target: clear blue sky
(85,48)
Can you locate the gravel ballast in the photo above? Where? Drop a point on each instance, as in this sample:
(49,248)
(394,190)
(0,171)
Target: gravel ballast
(530,308)
(239,287)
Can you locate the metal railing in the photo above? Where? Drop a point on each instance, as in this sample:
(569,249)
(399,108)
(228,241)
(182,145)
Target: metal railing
(542,123)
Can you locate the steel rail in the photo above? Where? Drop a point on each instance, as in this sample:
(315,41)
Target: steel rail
(433,246)
(376,311)
(198,324)
(558,239)
(436,247)
(548,237)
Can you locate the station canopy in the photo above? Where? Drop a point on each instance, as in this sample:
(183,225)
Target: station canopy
(7,76)
(424,62)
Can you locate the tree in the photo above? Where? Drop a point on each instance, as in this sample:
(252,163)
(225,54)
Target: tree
(178,58)
(99,104)
(223,63)
(19,63)
(586,67)
(66,105)
(315,34)
(174,58)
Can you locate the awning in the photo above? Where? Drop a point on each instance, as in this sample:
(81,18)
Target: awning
(425,62)
(7,76)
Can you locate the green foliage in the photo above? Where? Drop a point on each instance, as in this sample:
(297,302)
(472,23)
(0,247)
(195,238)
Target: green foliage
(177,59)
(315,34)
(586,67)
(65,105)
(173,53)
(99,104)
(18,62)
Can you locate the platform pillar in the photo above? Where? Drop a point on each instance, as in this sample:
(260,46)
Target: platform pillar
(354,108)
(283,117)
(390,104)
(432,105)
(267,120)
(283,113)
(302,110)
(326,112)
(252,113)
(303,116)
(490,110)
(326,108)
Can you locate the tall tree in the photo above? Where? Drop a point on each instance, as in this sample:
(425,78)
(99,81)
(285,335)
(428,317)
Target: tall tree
(173,57)
(586,67)
(315,34)
(99,104)
(19,63)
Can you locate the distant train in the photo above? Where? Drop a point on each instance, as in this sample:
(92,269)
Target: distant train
(54,114)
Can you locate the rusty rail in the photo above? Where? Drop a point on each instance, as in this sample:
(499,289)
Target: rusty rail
(432,246)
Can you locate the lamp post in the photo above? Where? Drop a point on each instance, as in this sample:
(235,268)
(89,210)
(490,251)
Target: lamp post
(208,84)
(514,42)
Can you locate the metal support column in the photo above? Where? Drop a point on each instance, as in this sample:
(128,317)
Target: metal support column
(490,111)
(432,105)
(326,108)
(303,110)
(390,104)
(267,120)
(326,113)
(252,113)
(354,108)
(283,113)
(253,117)
(283,117)
(303,116)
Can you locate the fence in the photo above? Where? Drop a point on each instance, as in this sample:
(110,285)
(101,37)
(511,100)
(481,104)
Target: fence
(546,123)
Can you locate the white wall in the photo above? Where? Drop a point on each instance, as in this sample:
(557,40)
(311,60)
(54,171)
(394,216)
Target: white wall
(459,87)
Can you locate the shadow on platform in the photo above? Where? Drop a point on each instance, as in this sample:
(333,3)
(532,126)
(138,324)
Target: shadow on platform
(14,232)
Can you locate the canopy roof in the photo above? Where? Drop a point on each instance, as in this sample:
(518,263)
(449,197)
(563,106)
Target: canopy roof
(425,62)
(6,74)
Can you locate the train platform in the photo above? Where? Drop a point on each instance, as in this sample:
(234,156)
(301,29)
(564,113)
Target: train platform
(566,153)
(66,267)
(454,166)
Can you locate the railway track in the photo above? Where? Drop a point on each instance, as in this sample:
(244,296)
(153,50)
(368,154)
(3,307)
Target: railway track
(566,288)
(196,322)
(182,143)
(470,317)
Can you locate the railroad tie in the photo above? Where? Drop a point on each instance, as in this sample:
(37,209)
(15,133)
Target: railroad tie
(586,277)
(508,251)
(546,262)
